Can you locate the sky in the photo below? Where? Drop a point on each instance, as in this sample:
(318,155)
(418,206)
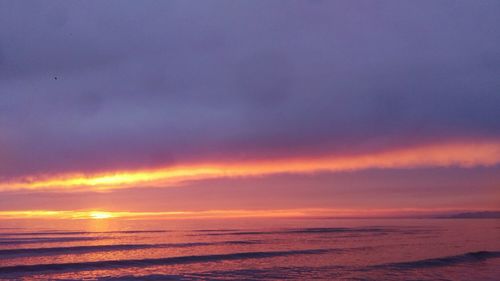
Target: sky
(241,108)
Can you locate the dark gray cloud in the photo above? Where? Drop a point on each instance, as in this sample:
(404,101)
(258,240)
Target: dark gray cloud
(91,85)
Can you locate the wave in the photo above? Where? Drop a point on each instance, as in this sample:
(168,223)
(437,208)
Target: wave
(272,273)
(152,277)
(444,261)
(214,230)
(337,229)
(19,241)
(157,261)
(300,231)
(117,247)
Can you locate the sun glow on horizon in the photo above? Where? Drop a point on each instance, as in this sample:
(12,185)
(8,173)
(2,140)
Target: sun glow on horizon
(442,155)
(228,214)
(101,215)
(92,214)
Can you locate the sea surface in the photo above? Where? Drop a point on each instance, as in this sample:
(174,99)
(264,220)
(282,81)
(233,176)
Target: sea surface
(251,249)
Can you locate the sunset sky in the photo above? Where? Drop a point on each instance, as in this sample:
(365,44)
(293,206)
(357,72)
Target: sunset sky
(194,109)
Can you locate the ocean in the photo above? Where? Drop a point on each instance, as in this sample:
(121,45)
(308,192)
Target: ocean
(251,249)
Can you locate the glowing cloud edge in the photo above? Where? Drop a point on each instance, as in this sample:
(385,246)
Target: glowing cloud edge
(486,153)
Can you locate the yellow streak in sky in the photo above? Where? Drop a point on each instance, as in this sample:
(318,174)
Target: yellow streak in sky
(221,214)
(93,214)
(440,155)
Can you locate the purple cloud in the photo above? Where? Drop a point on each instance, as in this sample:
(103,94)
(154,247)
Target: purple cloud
(108,85)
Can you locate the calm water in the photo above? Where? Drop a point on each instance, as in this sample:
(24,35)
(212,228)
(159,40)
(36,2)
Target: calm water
(390,249)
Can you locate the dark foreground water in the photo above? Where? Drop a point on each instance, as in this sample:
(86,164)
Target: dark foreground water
(418,249)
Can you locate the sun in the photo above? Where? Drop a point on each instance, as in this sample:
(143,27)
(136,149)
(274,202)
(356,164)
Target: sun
(100,215)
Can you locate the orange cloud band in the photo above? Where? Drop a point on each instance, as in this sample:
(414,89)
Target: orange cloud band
(440,155)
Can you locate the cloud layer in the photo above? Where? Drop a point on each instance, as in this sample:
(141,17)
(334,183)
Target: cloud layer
(92,86)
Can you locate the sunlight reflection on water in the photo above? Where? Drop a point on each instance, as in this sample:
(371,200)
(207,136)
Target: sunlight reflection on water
(251,249)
